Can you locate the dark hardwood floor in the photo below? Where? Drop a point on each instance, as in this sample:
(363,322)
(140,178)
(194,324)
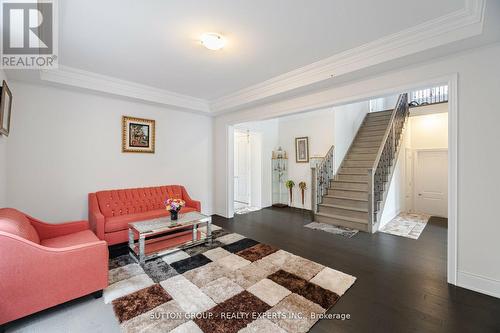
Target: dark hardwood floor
(401,283)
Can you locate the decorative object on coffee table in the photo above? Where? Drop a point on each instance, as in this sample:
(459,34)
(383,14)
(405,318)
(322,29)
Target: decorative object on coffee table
(289,185)
(303,188)
(5,109)
(174,206)
(138,135)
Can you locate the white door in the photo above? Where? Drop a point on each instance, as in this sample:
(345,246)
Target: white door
(241,169)
(431,182)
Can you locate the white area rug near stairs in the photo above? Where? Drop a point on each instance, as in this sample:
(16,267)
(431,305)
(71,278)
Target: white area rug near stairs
(346,203)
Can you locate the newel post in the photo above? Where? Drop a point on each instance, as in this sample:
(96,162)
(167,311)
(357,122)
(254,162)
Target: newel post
(371,204)
(313,190)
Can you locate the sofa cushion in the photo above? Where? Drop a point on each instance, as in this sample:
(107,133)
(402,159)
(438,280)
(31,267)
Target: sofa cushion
(117,223)
(16,223)
(136,200)
(77,238)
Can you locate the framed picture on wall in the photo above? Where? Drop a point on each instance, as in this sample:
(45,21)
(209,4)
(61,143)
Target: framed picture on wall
(5,109)
(138,135)
(302,150)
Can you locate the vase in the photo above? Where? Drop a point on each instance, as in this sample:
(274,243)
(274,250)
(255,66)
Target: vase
(174,215)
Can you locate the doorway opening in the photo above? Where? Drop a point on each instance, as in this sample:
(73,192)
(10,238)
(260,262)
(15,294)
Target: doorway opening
(419,188)
(247,171)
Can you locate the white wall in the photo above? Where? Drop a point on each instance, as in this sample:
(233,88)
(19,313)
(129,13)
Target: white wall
(348,119)
(395,201)
(383,103)
(429,130)
(318,126)
(65,144)
(477,71)
(3,154)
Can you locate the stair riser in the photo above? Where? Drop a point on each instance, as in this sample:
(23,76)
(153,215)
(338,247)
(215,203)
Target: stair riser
(356,178)
(366,144)
(349,186)
(358,164)
(385,118)
(349,194)
(366,138)
(370,127)
(346,202)
(356,171)
(373,151)
(361,157)
(342,223)
(380,114)
(363,133)
(343,212)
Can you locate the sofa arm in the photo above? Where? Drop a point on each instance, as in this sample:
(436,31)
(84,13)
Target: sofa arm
(50,230)
(190,202)
(35,277)
(96,219)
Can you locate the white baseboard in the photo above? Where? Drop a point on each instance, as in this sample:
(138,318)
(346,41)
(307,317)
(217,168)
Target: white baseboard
(479,283)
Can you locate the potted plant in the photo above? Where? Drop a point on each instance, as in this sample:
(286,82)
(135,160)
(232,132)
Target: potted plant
(289,185)
(303,187)
(174,206)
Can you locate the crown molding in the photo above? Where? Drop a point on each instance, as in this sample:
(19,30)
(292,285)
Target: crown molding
(461,24)
(464,23)
(88,80)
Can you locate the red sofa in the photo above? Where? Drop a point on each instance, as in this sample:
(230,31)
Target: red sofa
(111,211)
(42,265)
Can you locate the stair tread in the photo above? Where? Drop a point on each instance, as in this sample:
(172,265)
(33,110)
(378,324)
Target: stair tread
(345,189)
(364,210)
(350,181)
(345,218)
(345,198)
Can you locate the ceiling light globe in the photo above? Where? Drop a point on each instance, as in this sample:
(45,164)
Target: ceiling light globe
(212,41)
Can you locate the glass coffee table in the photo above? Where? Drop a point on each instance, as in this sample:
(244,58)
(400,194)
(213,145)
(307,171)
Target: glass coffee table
(162,236)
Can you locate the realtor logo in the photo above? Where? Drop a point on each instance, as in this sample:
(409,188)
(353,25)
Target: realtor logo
(29,39)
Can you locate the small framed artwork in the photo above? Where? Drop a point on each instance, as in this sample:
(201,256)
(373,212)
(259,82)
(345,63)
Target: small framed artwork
(5,109)
(302,150)
(138,135)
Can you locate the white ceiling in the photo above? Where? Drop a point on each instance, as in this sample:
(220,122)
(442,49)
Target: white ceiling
(155,43)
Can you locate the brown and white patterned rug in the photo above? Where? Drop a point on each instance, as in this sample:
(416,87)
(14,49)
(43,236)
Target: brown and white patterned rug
(409,225)
(235,285)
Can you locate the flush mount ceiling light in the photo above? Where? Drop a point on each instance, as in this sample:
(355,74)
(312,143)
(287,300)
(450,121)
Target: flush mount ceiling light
(212,41)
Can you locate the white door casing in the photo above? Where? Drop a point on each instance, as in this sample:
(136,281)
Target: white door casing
(431,181)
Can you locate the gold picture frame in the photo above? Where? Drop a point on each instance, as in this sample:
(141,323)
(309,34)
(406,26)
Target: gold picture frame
(138,135)
(5,109)
(302,150)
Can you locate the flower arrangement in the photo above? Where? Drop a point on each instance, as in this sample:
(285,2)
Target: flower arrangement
(303,188)
(174,206)
(289,184)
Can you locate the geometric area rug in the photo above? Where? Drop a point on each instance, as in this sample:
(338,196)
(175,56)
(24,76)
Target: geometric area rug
(235,285)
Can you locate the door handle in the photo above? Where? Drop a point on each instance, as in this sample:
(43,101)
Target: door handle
(420,194)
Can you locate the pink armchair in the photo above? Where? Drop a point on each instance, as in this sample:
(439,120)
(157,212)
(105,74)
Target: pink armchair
(42,265)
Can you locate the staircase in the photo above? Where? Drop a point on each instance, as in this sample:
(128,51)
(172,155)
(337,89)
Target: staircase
(355,196)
